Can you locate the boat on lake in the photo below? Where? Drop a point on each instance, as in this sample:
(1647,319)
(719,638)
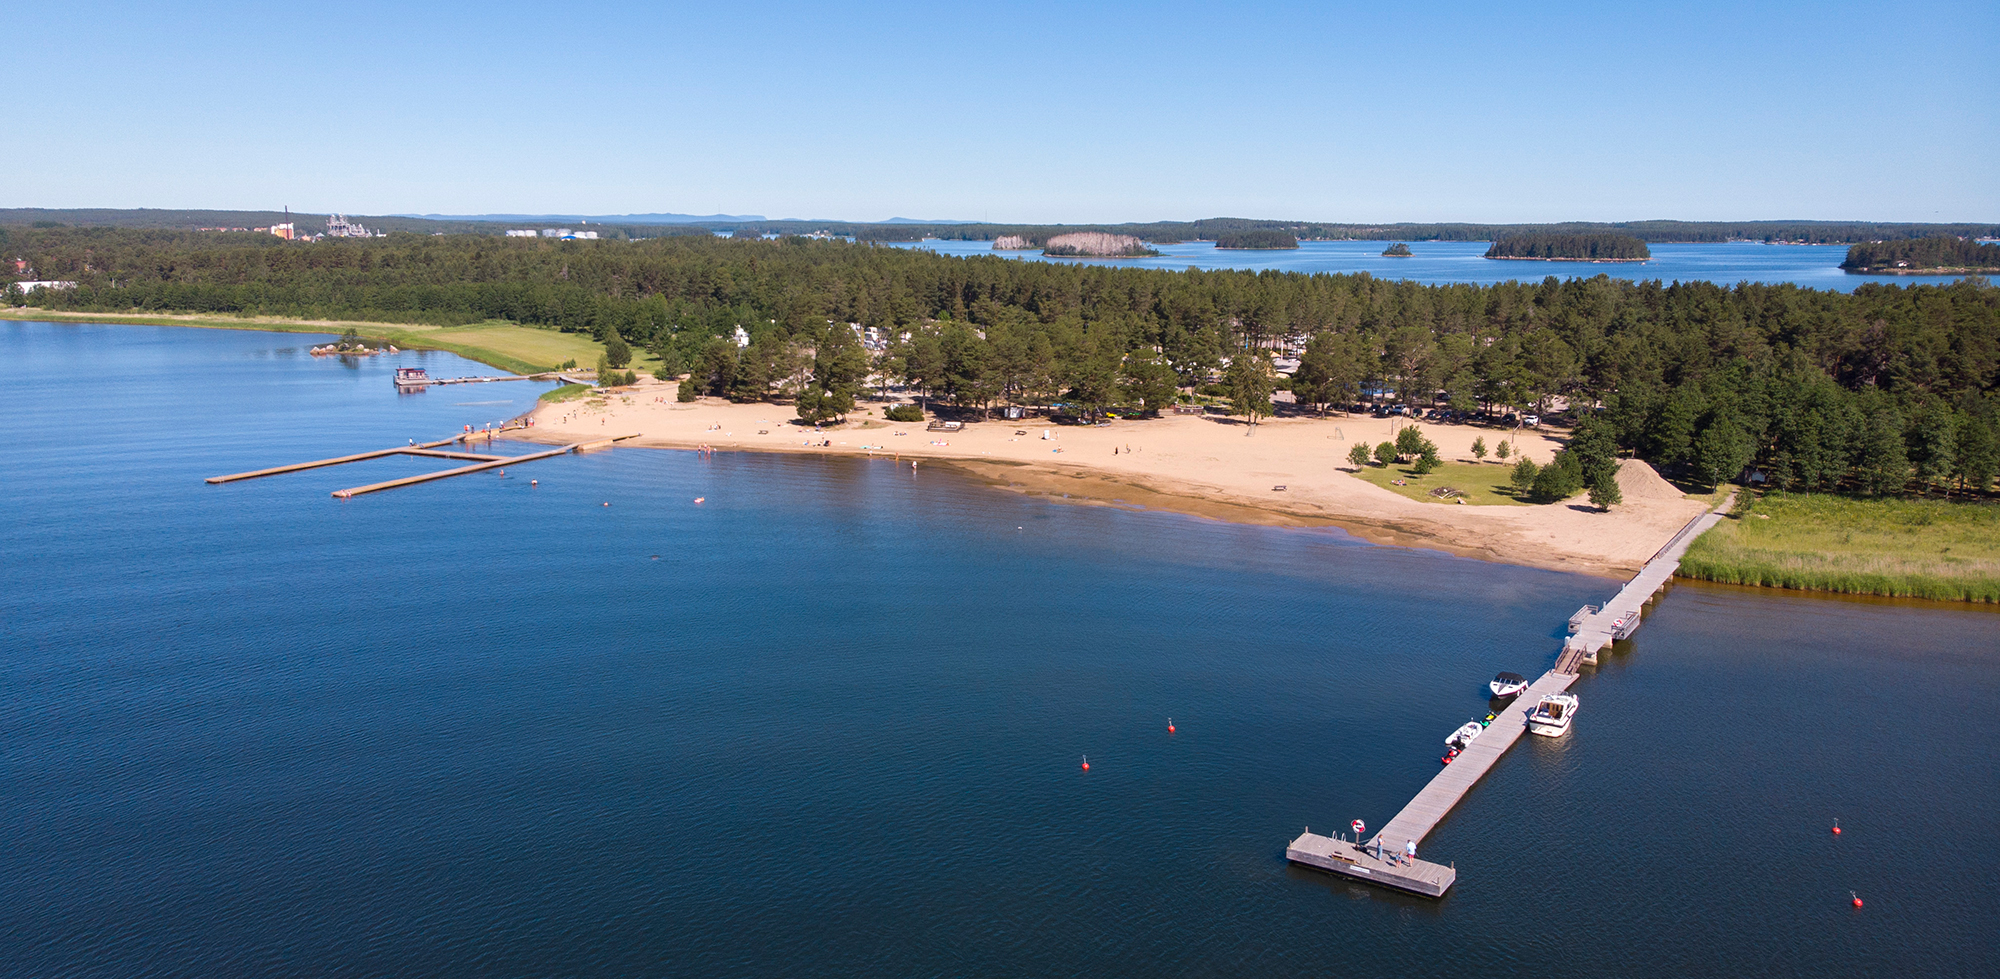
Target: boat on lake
(1553,715)
(411,376)
(1464,735)
(1508,684)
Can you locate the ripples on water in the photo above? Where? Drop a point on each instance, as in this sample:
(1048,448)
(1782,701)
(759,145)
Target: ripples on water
(472,728)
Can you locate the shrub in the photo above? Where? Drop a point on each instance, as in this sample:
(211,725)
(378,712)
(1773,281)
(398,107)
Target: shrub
(1385,453)
(904,413)
(1525,472)
(1358,455)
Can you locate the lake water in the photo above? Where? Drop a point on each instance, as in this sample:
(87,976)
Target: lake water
(1438,262)
(831,721)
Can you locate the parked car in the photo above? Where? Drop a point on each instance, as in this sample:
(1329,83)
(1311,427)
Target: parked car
(1532,421)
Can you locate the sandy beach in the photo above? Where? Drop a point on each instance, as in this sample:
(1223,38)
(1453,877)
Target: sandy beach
(1201,465)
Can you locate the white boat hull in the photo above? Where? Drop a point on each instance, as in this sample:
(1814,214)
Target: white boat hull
(1553,716)
(1549,729)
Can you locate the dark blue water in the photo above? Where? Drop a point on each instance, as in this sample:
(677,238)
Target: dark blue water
(1441,262)
(830,722)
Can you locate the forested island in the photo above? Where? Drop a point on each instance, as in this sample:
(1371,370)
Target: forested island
(1940,255)
(1887,390)
(1397,250)
(1096,244)
(1549,247)
(1257,239)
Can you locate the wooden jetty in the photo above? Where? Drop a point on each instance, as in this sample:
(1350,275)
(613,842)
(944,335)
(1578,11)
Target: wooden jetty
(1619,617)
(480,461)
(1376,861)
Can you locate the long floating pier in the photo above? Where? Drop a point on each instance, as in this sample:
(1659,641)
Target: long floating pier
(1381,860)
(480,461)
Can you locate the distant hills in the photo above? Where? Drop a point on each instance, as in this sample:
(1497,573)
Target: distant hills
(593,218)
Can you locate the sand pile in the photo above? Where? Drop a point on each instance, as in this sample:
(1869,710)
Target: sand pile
(1638,481)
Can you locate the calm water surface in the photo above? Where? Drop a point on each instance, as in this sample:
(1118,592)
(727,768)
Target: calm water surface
(1440,262)
(830,722)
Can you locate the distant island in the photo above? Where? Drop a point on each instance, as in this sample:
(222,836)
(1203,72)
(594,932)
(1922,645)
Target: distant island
(1553,247)
(1942,255)
(1012,243)
(1397,250)
(1262,238)
(1096,244)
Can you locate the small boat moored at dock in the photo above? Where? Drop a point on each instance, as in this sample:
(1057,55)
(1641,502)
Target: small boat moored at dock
(412,376)
(1552,716)
(1507,685)
(1464,735)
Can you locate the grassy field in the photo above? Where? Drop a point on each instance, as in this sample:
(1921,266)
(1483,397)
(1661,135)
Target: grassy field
(508,346)
(1911,548)
(568,392)
(1481,484)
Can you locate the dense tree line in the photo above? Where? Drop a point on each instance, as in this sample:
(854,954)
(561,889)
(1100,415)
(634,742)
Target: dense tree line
(1257,238)
(1922,253)
(1887,389)
(1597,247)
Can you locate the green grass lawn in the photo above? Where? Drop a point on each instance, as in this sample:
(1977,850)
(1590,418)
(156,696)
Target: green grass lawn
(568,392)
(1483,484)
(498,343)
(1935,549)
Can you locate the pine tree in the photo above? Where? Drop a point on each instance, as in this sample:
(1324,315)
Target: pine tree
(1605,494)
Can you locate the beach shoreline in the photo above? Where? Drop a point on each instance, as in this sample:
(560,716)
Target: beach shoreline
(1287,472)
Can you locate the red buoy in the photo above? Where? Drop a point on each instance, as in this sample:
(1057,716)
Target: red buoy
(1836,827)
(1170,725)
(1857,898)
(1086,763)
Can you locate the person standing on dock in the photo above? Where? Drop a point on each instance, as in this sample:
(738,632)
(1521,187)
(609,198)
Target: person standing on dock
(1410,851)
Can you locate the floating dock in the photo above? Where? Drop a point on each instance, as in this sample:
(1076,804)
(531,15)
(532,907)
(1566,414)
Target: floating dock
(480,462)
(1379,860)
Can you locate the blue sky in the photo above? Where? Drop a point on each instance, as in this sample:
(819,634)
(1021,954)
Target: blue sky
(1029,112)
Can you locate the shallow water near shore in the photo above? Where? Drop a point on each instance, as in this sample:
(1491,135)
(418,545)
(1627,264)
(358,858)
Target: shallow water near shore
(830,721)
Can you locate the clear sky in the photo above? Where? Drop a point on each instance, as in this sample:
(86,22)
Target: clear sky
(1029,112)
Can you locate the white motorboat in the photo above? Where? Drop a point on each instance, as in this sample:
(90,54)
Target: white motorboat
(1464,735)
(1508,685)
(1553,715)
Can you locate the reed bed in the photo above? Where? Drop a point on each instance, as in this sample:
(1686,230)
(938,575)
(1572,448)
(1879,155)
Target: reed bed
(1931,549)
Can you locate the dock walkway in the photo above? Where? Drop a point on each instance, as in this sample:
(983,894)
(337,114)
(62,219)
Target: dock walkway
(1595,629)
(1620,616)
(480,461)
